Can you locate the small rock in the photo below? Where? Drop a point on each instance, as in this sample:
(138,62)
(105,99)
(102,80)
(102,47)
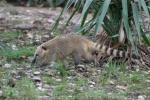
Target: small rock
(18,77)
(1,93)
(82,66)
(71,84)
(43,98)
(58,80)
(47,86)
(91,86)
(112,82)
(7,66)
(121,87)
(69,77)
(13,72)
(140,97)
(70,96)
(36,73)
(14,47)
(92,83)
(41,89)
(36,79)
(39,84)
(81,89)
(148,81)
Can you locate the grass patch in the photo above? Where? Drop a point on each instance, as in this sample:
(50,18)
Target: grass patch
(24,89)
(92,95)
(137,82)
(111,71)
(49,80)
(60,67)
(100,95)
(81,81)
(60,90)
(9,36)
(16,54)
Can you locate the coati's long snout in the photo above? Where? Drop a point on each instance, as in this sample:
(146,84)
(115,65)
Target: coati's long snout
(33,60)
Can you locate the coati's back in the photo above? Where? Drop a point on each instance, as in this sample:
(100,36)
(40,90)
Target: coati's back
(67,44)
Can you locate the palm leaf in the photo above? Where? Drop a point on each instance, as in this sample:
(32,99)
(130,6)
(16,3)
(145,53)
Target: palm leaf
(85,11)
(136,18)
(68,4)
(103,13)
(125,21)
(143,3)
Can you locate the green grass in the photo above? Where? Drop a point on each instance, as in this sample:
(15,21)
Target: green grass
(111,71)
(16,54)
(61,68)
(9,36)
(134,80)
(24,89)
(100,95)
(49,80)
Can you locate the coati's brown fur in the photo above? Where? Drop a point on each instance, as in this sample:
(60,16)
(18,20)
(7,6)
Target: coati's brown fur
(62,46)
(78,47)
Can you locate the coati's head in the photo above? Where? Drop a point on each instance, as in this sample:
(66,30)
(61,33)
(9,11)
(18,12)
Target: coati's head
(41,56)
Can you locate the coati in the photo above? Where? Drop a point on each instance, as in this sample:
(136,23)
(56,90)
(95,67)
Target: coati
(62,46)
(76,46)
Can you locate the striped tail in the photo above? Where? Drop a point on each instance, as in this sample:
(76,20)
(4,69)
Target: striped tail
(114,52)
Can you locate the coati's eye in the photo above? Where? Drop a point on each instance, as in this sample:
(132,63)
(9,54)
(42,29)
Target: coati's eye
(96,53)
(44,48)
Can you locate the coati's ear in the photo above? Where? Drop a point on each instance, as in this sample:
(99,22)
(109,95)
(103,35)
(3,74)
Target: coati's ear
(44,48)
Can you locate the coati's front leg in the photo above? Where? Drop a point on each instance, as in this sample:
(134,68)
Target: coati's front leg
(76,58)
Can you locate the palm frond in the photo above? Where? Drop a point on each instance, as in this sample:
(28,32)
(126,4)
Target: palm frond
(109,13)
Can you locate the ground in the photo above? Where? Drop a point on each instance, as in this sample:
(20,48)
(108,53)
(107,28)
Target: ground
(22,29)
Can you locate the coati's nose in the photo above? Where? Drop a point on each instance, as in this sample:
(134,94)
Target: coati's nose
(33,62)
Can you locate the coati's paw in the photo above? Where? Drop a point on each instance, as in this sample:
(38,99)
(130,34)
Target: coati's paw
(81,68)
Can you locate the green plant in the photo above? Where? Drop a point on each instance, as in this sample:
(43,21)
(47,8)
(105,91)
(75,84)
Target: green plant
(60,90)
(109,14)
(22,89)
(16,54)
(59,65)
(9,92)
(111,71)
(137,77)
(26,89)
(49,80)
(9,36)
